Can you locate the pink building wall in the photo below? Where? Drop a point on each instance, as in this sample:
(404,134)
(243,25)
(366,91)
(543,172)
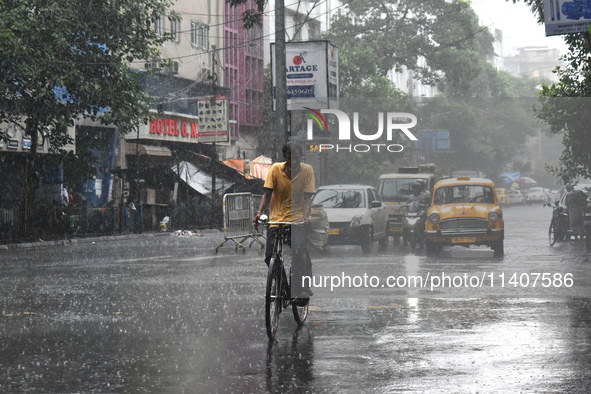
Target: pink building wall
(244,69)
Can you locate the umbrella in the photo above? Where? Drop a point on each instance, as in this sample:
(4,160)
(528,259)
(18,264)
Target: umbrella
(526,181)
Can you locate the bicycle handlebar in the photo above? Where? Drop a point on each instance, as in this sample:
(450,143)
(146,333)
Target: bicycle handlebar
(281,223)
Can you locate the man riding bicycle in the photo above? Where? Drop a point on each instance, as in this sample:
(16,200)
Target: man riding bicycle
(290,186)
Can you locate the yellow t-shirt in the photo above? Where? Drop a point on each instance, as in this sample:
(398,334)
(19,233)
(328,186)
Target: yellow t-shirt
(287,202)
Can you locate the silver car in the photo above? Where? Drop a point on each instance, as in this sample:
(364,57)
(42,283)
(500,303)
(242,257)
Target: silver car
(356,215)
(515,196)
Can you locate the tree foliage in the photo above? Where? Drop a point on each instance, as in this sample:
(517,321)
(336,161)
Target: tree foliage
(252,16)
(486,133)
(68,58)
(564,106)
(435,39)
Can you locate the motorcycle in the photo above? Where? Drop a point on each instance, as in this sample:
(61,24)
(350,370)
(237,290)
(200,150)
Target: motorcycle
(414,220)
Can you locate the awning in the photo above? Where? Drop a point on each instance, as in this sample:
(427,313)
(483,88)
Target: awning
(260,167)
(200,180)
(150,150)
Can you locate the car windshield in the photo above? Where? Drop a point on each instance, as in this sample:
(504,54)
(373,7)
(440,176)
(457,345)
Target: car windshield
(464,193)
(535,190)
(339,198)
(399,189)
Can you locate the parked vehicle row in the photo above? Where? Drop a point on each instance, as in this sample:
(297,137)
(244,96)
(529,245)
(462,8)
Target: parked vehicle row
(535,195)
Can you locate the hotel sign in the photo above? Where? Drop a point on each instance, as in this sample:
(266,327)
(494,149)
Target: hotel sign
(210,126)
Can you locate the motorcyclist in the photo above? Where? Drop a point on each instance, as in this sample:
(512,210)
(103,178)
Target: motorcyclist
(417,204)
(419,194)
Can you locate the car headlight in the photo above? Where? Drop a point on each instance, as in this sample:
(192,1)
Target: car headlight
(356,221)
(493,216)
(434,218)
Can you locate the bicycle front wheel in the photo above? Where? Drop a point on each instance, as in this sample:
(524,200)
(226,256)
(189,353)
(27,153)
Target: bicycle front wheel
(273,299)
(552,233)
(300,313)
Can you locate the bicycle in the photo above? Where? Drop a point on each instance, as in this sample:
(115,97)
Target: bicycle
(278,290)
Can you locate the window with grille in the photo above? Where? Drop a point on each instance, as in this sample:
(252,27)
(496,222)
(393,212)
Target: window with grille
(159,27)
(175,30)
(199,35)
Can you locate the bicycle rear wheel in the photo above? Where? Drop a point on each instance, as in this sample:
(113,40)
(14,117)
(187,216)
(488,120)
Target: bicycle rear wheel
(300,313)
(273,299)
(552,233)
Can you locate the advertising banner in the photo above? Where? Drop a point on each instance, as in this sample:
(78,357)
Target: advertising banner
(312,75)
(564,17)
(213,119)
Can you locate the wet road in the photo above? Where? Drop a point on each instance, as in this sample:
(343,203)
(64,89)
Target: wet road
(165,314)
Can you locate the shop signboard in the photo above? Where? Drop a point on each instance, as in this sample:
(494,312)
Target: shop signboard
(213,119)
(16,140)
(565,17)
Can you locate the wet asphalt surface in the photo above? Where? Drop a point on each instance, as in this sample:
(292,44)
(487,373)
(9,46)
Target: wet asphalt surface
(165,314)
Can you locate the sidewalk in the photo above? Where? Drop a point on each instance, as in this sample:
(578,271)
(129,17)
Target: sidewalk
(206,233)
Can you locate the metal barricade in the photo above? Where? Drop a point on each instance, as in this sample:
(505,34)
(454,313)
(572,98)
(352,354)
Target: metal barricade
(239,210)
(9,223)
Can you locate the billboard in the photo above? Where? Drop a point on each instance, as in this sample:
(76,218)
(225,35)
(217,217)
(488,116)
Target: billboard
(210,126)
(312,75)
(564,17)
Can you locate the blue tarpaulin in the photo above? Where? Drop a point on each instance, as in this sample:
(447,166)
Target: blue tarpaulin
(510,177)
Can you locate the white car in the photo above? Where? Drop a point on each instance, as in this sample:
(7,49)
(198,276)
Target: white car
(536,195)
(515,196)
(356,215)
(553,195)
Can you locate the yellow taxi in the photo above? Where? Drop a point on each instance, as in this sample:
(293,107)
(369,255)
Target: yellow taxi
(502,196)
(464,211)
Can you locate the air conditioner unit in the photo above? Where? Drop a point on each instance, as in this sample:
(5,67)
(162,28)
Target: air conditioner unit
(155,65)
(173,68)
(205,73)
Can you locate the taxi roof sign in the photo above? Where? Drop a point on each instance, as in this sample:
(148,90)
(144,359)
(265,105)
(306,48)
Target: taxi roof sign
(463,178)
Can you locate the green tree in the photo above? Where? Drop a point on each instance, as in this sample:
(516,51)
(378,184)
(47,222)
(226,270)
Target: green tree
(435,39)
(65,59)
(486,133)
(564,106)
